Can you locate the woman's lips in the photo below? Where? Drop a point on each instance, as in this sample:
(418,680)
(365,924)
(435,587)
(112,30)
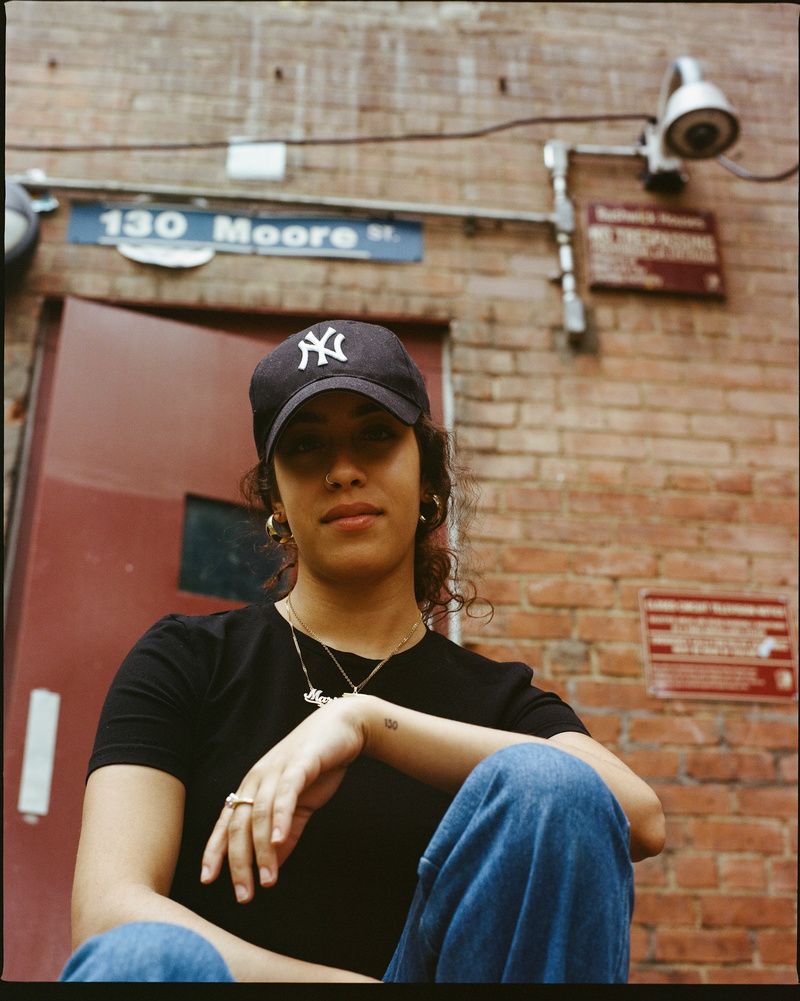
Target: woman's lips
(351,516)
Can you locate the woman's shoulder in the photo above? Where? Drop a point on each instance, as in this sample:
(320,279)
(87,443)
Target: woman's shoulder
(181,637)
(225,623)
(447,651)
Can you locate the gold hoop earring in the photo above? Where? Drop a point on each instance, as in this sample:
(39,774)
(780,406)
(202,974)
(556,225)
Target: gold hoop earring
(273,533)
(438,517)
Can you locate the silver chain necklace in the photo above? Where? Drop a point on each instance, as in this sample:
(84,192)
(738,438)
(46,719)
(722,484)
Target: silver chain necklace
(315,695)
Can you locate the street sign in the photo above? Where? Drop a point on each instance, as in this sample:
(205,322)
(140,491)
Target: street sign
(653,249)
(718,646)
(240,233)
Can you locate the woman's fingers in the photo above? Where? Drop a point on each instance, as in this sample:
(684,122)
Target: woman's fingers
(292,782)
(240,852)
(215,849)
(266,859)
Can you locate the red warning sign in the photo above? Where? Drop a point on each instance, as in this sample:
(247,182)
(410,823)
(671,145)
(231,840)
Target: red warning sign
(718,646)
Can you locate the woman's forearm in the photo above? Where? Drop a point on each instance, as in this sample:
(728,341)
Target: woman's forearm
(247,962)
(442,752)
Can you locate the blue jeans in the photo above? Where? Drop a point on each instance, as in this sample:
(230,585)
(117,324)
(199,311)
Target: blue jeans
(527,879)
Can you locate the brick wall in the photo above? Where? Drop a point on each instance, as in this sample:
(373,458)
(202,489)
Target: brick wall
(665,455)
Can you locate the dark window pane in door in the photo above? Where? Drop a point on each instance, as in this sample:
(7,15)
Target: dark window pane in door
(222,551)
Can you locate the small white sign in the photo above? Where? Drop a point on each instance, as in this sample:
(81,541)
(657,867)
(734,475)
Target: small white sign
(39,753)
(248,161)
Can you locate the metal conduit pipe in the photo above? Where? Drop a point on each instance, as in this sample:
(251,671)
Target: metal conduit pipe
(39,182)
(556,159)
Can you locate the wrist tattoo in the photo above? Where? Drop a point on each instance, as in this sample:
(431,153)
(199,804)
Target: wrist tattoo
(390,724)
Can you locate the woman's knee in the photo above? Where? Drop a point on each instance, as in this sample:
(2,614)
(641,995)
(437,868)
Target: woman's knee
(147,951)
(542,781)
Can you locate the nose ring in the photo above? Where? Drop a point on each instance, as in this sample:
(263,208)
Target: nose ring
(329,482)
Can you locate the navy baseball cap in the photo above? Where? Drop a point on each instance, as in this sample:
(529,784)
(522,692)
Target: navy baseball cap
(334,354)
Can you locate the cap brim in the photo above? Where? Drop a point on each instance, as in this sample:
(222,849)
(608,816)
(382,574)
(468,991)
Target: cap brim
(405,410)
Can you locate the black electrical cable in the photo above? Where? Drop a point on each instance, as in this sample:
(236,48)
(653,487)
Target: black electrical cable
(743,172)
(332,141)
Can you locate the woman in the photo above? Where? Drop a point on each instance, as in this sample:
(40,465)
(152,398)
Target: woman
(445,822)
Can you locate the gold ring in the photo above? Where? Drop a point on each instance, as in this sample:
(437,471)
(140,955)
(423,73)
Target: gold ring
(232,800)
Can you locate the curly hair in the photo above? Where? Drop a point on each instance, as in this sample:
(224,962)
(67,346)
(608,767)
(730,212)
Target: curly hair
(439,587)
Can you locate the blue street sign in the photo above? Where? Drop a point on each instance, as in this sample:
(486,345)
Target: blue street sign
(238,233)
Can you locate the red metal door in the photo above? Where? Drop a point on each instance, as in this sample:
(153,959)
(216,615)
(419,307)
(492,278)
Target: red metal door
(139,412)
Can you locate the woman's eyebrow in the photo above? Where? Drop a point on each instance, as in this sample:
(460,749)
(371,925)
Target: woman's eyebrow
(366,408)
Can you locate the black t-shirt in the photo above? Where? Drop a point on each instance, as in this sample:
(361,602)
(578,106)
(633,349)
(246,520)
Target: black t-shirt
(204,697)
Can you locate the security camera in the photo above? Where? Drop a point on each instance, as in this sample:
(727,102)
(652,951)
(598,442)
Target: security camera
(695,121)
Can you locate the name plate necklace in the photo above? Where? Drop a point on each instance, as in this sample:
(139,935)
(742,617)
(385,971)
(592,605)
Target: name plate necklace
(315,695)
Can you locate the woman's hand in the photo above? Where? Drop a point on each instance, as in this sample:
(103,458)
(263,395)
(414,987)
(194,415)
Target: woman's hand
(290,782)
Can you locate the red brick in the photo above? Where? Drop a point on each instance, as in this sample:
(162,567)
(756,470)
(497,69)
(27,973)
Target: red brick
(500,590)
(716,567)
(694,946)
(663,975)
(742,873)
(673,730)
(783,875)
(738,836)
(690,478)
(761,733)
(568,657)
(530,559)
(775,572)
(572,531)
(571,593)
(640,944)
(615,695)
(700,508)
(659,909)
(609,628)
(604,728)
(594,444)
(695,800)
(645,476)
(787,768)
(529,499)
(770,512)
(529,625)
(662,536)
(691,450)
(586,471)
(585,502)
(651,872)
(496,527)
(729,765)
(768,403)
(776,483)
(695,871)
(778,947)
(734,482)
(747,538)
(749,975)
(524,440)
(733,428)
(763,802)
(619,661)
(615,563)
(747,912)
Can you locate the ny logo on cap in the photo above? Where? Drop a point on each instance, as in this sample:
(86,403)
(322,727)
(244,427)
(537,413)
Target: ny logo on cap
(312,343)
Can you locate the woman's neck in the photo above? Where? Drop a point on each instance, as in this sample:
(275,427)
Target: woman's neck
(366,621)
